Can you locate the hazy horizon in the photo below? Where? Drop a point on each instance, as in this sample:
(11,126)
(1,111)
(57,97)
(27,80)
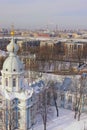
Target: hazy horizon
(38,13)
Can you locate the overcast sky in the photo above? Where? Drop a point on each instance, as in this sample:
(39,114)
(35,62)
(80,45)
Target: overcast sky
(33,13)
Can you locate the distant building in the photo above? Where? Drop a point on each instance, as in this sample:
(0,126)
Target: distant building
(3,43)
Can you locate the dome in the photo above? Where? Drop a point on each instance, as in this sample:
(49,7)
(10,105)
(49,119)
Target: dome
(12,47)
(13,70)
(13,64)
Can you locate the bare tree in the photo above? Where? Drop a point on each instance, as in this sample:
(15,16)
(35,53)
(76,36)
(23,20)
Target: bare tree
(80,91)
(43,107)
(54,93)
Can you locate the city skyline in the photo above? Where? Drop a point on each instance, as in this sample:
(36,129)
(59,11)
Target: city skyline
(38,13)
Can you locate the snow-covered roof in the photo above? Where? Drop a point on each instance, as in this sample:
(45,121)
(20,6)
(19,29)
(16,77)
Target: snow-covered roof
(82,66)
(38,86)
(84,75)
(66,84)
(21,95)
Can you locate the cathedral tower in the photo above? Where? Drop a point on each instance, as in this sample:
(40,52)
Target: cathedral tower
(13,69)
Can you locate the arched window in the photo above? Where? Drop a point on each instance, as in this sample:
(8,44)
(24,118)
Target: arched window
(14,70)
(6,81)
(14,82)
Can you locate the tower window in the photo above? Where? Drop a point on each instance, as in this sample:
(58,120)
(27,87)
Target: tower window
(6,69)
(14,82)
(6,80)
(14,69)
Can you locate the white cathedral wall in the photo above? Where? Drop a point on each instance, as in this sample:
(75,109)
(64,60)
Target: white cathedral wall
(2,113)
(23,118)
(3,80)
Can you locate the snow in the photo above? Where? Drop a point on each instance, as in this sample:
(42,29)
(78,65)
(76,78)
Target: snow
(11,95)
(65,121)
(83,66)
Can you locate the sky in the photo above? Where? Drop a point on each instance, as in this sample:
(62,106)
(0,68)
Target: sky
(43,13)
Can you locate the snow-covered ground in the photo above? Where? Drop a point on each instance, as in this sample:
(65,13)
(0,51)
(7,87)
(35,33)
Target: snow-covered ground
(65,121)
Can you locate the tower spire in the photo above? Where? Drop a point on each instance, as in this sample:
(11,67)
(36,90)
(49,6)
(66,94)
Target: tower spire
(12,30)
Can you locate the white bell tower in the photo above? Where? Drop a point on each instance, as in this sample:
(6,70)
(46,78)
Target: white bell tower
(13,69)
(16,93)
